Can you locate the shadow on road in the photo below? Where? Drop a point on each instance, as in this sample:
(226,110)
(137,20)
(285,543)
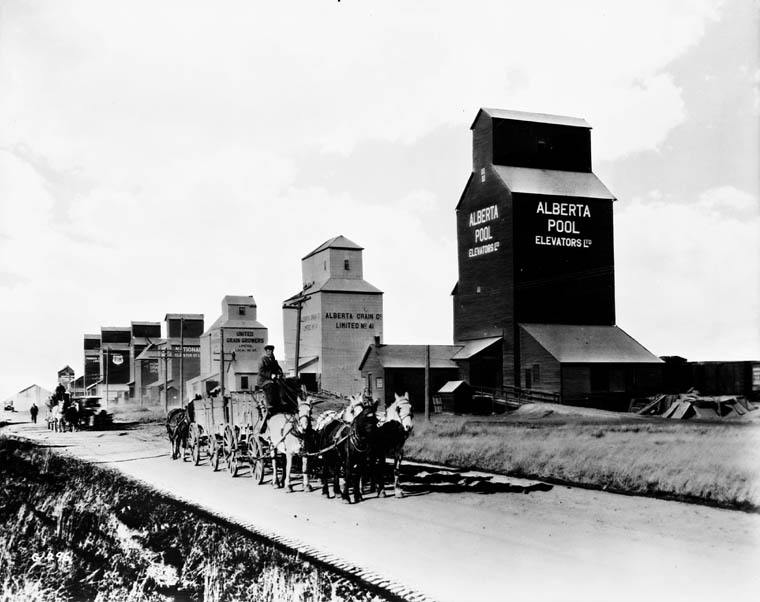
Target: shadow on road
(421,480)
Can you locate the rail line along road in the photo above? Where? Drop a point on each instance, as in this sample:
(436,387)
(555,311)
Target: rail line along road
(461,537)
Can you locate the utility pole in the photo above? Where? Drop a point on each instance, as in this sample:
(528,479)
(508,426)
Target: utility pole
(166,378)
(221,361)
(298,303)
(138,368)
(182,361)
(108,361)
(427,383)
(299,309)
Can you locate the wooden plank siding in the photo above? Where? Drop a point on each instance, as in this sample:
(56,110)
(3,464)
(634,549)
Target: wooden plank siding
(548,377)
(725,378)
(484,300)
(412,381)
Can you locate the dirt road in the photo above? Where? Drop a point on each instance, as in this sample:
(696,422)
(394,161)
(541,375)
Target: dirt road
(460,539)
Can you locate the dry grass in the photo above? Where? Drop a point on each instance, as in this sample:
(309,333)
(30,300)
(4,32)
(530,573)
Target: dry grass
(73,531)
(712,462)
(133,413)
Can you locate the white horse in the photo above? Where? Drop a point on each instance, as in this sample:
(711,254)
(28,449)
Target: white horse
(288,435)
(57,417)
(390,439)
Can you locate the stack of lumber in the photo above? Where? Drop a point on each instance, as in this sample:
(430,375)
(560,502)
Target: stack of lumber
(684,406)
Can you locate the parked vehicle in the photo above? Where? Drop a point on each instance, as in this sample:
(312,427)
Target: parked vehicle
(91,414)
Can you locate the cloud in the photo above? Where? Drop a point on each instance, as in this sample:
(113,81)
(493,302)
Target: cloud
(182,75)
(688,274)
(727,202)
(151,151)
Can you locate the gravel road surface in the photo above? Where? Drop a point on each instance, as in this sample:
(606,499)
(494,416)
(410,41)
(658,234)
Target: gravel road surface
(463,537)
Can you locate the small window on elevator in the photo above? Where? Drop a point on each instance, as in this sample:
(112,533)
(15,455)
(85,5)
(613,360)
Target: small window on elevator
(244,383)
(241,310)
(346,265)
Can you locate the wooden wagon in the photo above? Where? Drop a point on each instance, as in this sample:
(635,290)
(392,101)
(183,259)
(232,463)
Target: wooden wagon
(227,429)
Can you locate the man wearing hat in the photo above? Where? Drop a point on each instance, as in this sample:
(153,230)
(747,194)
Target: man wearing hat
(269,373)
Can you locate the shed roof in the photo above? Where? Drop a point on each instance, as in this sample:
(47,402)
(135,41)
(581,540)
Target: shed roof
(553,182)
(534,117)
(238,300)
(345,285)
(222,322)
(571,344)
(452,386)
(339,242)
(413,356)
(338,285)
(305,362)
(185,316)
(471,348)
(149,353)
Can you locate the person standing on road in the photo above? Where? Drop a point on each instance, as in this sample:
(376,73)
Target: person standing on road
(33,410)
(269,373)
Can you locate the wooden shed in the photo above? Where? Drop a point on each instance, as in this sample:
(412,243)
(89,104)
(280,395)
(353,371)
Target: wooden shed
(389,369)
(596,366)
(454,396)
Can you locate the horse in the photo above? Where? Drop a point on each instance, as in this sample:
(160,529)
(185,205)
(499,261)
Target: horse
(389,441)
(178,428)
(70,413)
(347,445)
(57,417)
(290,434)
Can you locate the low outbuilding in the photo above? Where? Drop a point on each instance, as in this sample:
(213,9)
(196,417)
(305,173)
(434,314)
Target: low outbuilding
(389,369)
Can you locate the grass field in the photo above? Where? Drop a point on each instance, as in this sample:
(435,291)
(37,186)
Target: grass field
(717,463)
(711,462)
(138,414)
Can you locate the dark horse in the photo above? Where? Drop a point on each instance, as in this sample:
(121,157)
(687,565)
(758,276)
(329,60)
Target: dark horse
(71,414)
(349,447)
(178,428)
(389,441)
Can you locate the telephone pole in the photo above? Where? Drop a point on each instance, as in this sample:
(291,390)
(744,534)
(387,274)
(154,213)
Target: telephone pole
(297,303)
(182,361)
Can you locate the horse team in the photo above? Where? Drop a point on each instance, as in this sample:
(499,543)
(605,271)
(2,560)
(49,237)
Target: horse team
(62,411)
(350,445)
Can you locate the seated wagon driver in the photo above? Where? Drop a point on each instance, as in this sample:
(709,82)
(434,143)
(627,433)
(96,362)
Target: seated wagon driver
(269,373)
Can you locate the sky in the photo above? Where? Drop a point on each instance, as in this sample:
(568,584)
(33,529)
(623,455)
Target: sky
(157,156)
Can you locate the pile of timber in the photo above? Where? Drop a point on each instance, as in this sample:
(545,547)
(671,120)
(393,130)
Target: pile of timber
(684,406)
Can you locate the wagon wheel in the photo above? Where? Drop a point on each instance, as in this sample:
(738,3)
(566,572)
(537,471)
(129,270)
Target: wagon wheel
(216,452)
(230,451)
(195,443)
(255,453)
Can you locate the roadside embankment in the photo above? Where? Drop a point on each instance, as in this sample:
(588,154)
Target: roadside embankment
(70,530)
